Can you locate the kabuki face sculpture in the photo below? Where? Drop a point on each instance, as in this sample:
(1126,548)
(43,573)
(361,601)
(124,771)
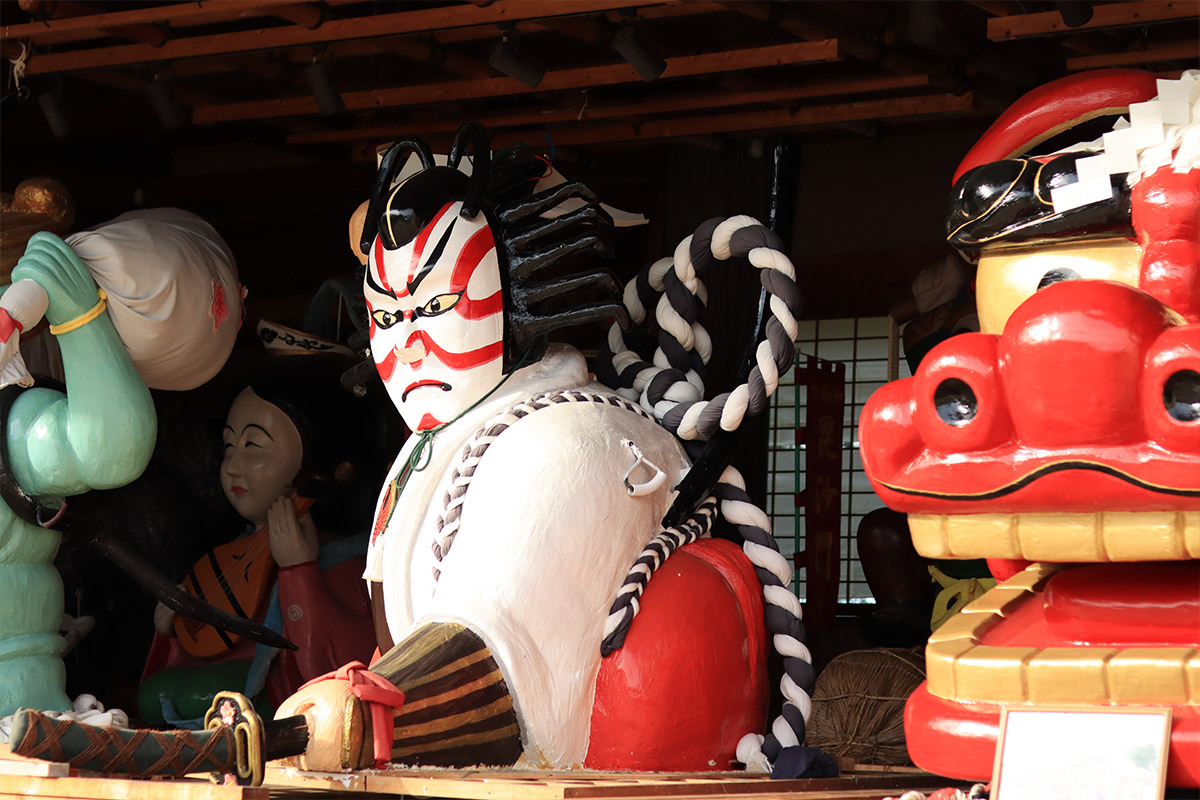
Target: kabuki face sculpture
(449,283)
(435,302)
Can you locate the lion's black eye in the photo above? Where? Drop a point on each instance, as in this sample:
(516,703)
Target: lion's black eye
(1057,275)
(955,402)
(384,318)
(1181,395)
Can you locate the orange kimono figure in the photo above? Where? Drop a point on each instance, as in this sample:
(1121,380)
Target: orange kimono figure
(285,572)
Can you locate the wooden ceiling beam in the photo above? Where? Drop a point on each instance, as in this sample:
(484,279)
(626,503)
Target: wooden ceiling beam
(98,23)
(835,114)
(587,111)
(779,16)
(1173,51)
(126,82)
(265,68)
(66,9)
(402,22)
(412,48)
(581,28)
(471,34)
(850,43)
(1104,15)
(681,66)
(306,14)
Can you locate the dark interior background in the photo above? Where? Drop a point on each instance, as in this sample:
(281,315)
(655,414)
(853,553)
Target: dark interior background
(877,120)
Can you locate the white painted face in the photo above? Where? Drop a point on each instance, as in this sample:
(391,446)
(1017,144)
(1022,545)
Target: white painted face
(263,453)
(437,321)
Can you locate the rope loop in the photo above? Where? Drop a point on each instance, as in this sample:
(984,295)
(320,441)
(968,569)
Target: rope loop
(673,290)
(668,384)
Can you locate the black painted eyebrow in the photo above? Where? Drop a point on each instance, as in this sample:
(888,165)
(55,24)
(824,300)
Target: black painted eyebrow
(371,282)
(433,258)
(260,427)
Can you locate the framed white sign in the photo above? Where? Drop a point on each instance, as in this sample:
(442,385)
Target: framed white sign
(1100,754)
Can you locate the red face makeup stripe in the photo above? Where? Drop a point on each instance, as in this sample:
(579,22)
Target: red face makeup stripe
(428,421)
(470,257)
(386,367)
(458,361)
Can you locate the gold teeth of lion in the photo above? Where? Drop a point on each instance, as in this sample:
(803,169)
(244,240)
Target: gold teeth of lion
(1076,537)
(959,668)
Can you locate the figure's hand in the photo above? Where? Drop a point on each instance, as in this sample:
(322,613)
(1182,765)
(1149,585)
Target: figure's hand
(51,263)
(164,619)
(339,727)
(293,541)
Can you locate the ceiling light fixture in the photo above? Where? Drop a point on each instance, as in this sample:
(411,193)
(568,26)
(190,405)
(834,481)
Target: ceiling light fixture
(55,111)
(166,105)
(506,56)
(632,46)
(320,80)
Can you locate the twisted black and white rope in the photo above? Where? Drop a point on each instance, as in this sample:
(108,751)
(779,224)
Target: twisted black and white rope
(460,480)
(782,613)
(660,548)
(671,384)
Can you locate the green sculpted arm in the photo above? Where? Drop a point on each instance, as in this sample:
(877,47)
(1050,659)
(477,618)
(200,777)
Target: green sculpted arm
(101,434)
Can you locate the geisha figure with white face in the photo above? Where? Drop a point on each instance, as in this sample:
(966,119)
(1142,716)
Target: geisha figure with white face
(434,297)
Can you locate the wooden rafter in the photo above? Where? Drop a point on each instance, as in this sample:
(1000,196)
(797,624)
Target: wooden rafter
(143,32)
(585,111)
(1105,15)
(790,18)
(99,23)
(688,9)
(310,16)
(835,114)
(413,48)
(126,82)
(681,66)
(1174,51)
(403,22)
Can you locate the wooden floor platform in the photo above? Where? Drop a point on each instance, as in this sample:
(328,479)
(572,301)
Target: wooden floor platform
(862,782)
(23,777)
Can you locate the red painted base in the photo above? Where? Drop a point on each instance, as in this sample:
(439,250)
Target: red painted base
(958,740)
(691,679)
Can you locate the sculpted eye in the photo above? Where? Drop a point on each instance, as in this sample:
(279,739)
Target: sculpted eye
(1058,275)
(440,304)
(956,403)
(384,318)
(1181,395)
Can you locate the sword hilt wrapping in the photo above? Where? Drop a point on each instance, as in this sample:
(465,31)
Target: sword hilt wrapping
(136,753)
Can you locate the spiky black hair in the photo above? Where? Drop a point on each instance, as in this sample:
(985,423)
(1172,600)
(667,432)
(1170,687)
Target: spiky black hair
(527,243)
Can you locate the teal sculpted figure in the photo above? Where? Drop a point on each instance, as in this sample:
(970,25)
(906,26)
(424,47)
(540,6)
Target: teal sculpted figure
(98,435)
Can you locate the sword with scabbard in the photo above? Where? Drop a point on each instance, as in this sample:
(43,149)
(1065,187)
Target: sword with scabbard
(234,746)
